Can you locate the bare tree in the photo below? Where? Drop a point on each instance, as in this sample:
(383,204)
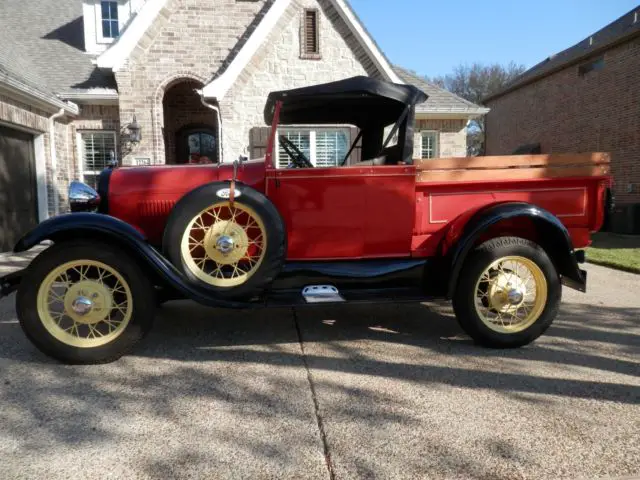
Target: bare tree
(475,83)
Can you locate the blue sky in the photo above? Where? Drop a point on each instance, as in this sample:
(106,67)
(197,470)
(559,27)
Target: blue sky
(433,36)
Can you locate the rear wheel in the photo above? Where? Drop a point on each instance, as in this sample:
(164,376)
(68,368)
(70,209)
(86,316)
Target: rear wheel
(85,303)
(508,293)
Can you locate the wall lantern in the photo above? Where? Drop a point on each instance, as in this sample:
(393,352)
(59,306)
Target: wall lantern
(135,131)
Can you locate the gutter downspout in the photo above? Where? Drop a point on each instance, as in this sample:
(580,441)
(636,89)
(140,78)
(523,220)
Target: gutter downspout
(216,109)
(54,159)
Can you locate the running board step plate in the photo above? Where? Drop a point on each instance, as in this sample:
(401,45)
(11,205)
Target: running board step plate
(321,294)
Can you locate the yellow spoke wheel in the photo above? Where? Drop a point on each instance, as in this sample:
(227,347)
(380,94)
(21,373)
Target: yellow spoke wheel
(511,294)
(84,303)
(224,244)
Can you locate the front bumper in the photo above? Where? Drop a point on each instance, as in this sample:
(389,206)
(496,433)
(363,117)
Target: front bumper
(9,283)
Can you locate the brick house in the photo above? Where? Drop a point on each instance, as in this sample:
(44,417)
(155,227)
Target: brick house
(582,99)
(192,74)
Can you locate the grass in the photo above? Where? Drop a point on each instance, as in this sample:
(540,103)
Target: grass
(616,251)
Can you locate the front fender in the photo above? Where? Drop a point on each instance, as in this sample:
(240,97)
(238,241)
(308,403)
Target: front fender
(556,240)
(110,230)
(77,226)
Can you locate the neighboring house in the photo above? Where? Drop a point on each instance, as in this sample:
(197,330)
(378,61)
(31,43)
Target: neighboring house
(585,98)
(77,76)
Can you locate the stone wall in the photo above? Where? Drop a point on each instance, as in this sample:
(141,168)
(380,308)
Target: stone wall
(189,40)
(196,39)
(278,66)
(452,136)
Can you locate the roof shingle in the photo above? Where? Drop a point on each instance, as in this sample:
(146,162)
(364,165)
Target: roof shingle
(43,47)
(440,100)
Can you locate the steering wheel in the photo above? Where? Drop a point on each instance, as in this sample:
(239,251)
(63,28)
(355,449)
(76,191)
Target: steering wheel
(297,157)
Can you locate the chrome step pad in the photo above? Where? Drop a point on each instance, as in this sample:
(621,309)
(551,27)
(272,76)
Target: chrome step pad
(321,294)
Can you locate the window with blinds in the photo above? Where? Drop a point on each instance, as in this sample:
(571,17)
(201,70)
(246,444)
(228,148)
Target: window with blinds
(429,148)
(301,139)
(310,34)
(324,147)
(97,150)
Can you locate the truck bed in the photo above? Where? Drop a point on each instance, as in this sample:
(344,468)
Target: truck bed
(450,190)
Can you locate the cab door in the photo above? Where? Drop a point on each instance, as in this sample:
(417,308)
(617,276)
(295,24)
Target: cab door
(345,212)
(321,208)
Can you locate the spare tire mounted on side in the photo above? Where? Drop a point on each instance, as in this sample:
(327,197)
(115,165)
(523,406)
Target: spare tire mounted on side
(233,249)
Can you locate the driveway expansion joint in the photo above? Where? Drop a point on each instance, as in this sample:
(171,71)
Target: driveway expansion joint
(316,403)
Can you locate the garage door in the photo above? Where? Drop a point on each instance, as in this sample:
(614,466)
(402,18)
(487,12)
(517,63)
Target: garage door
(18,199)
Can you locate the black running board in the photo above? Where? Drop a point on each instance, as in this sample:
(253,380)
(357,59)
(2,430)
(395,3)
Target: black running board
(294,298)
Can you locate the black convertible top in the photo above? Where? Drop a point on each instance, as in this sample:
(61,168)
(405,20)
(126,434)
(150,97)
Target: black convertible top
(360,101)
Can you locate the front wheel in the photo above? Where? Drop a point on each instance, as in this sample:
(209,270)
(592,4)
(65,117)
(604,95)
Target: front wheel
(508,293)
(85,302)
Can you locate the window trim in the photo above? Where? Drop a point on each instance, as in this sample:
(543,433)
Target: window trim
(436,146)
(312,129)
(303,35)
(100,38)
(80,149)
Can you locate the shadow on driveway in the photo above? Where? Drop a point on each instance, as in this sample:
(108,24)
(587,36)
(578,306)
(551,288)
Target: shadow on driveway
(245,371)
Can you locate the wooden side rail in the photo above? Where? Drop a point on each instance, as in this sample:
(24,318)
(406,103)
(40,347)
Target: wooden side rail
(513,167)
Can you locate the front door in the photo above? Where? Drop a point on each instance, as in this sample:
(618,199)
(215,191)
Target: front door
(18,210)
(345,212)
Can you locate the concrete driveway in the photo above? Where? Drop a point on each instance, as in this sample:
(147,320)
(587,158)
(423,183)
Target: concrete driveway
(367,392)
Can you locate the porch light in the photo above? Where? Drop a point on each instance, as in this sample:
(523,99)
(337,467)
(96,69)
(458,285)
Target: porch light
(135,131)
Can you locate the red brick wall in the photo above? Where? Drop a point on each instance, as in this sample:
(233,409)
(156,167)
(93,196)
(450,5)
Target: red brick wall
(567,112)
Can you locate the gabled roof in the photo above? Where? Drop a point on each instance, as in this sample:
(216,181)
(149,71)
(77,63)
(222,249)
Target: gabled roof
(621,30)
(219,86)
(43,46)
(441,101)
(116,55)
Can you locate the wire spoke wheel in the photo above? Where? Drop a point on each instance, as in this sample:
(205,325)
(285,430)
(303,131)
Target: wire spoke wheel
(511,294)
(224,244)
(85,303)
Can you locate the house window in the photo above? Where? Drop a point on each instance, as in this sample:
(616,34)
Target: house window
(324,147)
(592,66)
(97,151)
(310,38)
(429,147)
(109,13)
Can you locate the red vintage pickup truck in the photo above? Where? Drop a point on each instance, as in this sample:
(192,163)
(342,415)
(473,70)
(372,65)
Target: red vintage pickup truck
(496,235)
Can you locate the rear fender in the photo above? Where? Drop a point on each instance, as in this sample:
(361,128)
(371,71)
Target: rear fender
(554,238)
(110,230)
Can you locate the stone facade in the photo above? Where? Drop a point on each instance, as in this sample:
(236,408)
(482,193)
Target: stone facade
(570,112)
(452,136)
(191,41)
(278,65)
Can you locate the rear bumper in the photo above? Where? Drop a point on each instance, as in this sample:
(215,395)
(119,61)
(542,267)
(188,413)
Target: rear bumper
(9,283)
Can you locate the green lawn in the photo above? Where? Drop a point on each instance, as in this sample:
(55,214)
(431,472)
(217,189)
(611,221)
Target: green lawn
(616,251)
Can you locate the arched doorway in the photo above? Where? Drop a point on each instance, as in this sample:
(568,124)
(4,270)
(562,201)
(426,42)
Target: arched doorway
(190,128)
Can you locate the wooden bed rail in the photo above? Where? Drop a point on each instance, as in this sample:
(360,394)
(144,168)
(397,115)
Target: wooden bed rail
(513,167)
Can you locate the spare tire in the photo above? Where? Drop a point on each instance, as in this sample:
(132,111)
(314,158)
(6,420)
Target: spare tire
(230,249)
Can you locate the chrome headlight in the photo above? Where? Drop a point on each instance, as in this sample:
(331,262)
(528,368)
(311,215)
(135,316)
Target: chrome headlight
(83,198)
